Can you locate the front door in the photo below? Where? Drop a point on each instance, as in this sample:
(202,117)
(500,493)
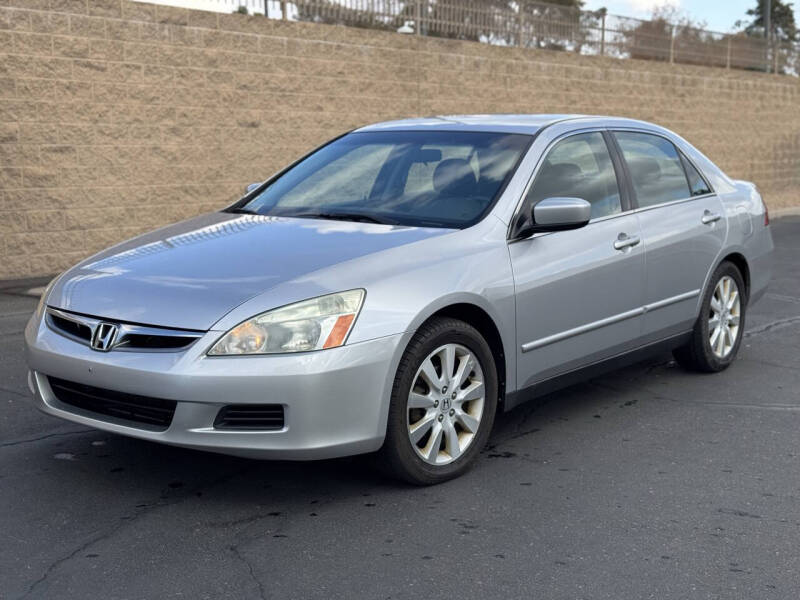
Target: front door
(579,293)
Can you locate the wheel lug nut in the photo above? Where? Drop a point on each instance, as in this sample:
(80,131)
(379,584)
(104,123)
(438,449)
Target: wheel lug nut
(441,417)
(452,412)
(435,404)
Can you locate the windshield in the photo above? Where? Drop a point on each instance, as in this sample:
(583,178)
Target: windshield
(430,179)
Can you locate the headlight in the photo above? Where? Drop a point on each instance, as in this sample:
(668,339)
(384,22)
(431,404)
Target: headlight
(45,294)
(315,324)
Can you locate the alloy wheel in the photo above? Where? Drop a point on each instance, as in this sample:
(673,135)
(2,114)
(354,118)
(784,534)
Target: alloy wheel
(724,317)
(445,404)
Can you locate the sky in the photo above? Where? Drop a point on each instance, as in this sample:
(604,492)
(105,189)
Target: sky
(719,15)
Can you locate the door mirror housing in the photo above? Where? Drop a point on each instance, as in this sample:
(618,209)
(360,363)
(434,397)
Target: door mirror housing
(556,214)
(252,186)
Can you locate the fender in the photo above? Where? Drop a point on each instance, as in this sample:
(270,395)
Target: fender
(506,327)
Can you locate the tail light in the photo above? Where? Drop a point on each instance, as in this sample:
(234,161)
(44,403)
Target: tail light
(766,213)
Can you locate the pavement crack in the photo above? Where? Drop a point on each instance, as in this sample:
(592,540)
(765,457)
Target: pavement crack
(11,333)
(774,364)
(767,327)
(44,437)
(60,561)
(783,407)
(15,392)
(784,298)
(126,520)
(249,565)
(658,395)
(605,386)
(12,315)
(243,521)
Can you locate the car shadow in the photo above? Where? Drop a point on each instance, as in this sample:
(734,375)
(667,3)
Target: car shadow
(111,465)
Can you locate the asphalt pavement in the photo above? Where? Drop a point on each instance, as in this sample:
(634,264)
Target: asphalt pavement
(646,483)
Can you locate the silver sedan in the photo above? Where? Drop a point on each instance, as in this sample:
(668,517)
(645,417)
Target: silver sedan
(396,287)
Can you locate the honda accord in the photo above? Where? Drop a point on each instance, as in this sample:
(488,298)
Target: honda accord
(396,287)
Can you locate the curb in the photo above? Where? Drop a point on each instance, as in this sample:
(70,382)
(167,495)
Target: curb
(28,282)
(779,213)
(32,286)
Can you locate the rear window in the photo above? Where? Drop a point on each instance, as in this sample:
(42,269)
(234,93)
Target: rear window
(655,167)
(697,184)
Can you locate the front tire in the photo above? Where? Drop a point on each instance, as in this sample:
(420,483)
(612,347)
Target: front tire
(719,329)
(443,403)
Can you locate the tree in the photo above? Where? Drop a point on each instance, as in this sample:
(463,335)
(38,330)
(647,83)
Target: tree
(558,25)
(779,53)
(653,39)
(782,24)
(332,12)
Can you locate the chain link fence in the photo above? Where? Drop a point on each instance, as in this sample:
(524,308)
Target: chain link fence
(530,24)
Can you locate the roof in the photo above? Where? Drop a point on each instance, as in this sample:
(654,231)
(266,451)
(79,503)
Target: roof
(527,124)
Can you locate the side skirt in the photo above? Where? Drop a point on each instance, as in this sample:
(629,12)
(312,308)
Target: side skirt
(600,367)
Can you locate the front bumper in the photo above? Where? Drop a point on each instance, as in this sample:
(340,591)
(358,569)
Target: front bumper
(335,401)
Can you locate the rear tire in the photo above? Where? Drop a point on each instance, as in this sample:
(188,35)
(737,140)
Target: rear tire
(443,404)
(718,332)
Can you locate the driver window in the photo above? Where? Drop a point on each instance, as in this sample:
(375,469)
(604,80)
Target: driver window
(579,167)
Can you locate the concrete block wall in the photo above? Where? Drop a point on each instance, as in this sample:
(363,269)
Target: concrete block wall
(117,117)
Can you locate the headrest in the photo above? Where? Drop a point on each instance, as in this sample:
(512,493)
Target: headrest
(454,177)
(564,171)
(645,170)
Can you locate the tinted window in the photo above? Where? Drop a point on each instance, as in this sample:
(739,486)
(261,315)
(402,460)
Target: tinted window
(697,184)
(432,178)
(579,167)
(655,167)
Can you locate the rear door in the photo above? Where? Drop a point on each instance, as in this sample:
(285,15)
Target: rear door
(683,227)
(578,293)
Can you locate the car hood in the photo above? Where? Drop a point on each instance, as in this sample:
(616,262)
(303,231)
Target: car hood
(191,274)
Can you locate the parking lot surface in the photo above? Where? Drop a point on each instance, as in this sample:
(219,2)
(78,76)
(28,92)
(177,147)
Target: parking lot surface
(650,482)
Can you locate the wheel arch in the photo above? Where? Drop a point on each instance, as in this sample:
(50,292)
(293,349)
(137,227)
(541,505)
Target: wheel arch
(732,255)
(739,260)
(481,320)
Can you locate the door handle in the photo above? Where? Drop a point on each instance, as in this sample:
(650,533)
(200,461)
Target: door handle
(709,217)
(626,241)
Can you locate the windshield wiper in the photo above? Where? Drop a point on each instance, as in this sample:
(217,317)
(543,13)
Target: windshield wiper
(342,216)
(242,211)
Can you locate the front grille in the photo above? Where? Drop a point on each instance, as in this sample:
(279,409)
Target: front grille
(155,342)
(130,336)
(154,412)
(266,417)
(71,328)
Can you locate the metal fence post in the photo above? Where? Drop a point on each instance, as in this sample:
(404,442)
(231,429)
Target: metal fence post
(775,52)
(768,30)
(603,32)
(548,25)
(672,45)
(728,58)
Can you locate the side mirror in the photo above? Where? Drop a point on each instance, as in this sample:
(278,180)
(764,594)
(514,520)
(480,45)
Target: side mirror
(557,214)
(252,186)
